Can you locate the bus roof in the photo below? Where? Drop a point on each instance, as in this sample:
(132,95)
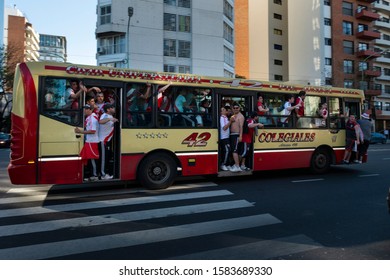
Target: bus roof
(130,75)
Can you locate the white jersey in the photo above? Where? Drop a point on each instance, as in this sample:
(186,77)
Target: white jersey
(106,130)
(223,120)
(92,123)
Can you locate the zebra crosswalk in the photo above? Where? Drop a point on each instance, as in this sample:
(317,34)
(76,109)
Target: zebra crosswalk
(35,224)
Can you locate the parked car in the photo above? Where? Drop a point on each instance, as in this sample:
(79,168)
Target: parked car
(5,140)
(377,137)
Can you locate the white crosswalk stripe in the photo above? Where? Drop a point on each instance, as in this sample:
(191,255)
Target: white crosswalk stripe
(112,210)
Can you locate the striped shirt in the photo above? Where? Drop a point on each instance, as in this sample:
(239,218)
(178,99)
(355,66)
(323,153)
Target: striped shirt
(106,130)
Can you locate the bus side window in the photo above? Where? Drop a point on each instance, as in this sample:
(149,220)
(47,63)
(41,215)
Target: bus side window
(139,105)
(336,114)
(56,103)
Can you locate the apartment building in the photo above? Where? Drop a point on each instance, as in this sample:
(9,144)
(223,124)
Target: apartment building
(381,62)
(52,48)
(185,36)
(20,36)
(323,42)
(2,23)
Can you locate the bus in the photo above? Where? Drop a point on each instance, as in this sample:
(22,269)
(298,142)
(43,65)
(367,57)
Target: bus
(153,146)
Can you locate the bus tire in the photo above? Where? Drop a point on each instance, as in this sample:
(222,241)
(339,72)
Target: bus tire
(320,161)
(157,171)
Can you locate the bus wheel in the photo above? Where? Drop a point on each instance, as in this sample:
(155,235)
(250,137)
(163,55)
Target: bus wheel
(157,171)
(320,161)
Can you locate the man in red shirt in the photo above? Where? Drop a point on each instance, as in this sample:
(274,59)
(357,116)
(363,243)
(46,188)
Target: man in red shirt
(352,136)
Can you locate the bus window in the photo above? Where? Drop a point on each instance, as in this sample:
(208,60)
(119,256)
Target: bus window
(56,101)
(192,107)
(139,105)
(336,114)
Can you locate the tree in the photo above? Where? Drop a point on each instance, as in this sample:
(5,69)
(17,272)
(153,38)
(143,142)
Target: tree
(9,58)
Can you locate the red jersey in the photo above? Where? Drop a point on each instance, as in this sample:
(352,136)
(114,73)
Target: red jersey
(248,137)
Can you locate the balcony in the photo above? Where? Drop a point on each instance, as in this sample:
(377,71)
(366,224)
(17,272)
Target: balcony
(383,59)
(368,35)
(109,30)
(385,78)
(382,24)
(382,42)
(372,92)
(382,115)
(367,53)
(383,6)
(364,14)
(368,1)
(372,73)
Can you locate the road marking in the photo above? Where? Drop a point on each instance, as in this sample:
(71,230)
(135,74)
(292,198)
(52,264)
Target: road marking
(308,180)
(369,175)
(37,195)
(108,203)
(261,250)
(85,245)
(121,217)
(27,190)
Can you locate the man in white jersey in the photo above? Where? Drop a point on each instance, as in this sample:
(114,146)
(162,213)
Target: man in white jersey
(90,149)
(106,131)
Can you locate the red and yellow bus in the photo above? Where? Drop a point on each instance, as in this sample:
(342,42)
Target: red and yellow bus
(155,146)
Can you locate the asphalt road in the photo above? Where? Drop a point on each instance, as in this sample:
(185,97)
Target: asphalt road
(270,215)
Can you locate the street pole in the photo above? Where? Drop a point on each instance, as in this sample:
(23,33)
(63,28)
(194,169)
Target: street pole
(130,12)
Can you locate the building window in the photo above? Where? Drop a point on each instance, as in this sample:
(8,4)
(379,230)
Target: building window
(347,28)
(111,45)
(184,49)
(278,77)
(278,2)
(363,47)
(328,81)
(387,89)
(348,84)
(361,8)
(169,47)
(363,66)
(348,66)
(328,61)
(169,68)
(378,105)
(278,47)
(184,3)
(228,10)
(327,2)
(278,16)
(105,14)
(348,47)
(347,9)
(229,57)
(184,69)
(386,71)
(328,41)
(278,62)
(327,21)
(227,32)
(362,27)
(228,74)
(386,37)
(169,22)
(184,23)
(278,31)
(170,2)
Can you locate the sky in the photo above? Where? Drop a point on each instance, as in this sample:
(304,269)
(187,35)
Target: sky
(74,19)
